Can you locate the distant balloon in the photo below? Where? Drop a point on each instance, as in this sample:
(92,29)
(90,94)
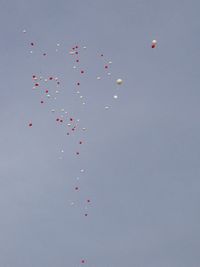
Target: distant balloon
(119,81)
(153,44)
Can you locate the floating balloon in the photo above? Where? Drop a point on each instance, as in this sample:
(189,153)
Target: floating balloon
(153,44)
(119,81)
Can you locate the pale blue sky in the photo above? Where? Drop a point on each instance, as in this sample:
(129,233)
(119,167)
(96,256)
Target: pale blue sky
(141,157)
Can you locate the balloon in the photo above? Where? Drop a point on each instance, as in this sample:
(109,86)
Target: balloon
(153,43)
(119,81)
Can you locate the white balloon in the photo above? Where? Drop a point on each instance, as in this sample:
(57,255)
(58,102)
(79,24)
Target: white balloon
(119,81)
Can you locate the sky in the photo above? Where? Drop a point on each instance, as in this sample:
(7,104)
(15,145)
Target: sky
(141,157)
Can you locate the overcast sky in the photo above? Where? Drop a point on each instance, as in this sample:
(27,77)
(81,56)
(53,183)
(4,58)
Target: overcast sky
(141,157)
